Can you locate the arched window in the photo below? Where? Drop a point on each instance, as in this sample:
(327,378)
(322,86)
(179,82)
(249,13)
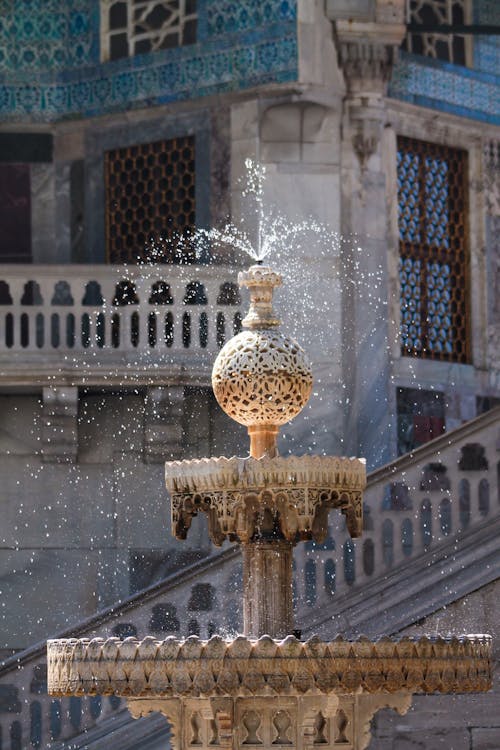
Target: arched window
(445,516)
(124,630)
(195,294)
(36,724)
(426,522)
(62,294)
(464,503)
(125,294)
(498,482)
(5,296)
(368,557)
(349,562)
(32,294)
(95,706)
(202,598)
(388,542)
(330,574)
(93,295)
(164,618)
(229,294)
(55,715)
(16,736)
(367,518)
(310,581)
(237,323)
(161,294)
(484,497)
(75,711)
(407,537)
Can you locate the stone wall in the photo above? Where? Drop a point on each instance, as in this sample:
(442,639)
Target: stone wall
(78,536)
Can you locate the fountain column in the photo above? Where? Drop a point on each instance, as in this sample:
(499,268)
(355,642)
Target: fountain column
(260,382)
(267,588)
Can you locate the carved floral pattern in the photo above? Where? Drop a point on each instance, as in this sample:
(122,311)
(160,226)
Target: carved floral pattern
(299,492)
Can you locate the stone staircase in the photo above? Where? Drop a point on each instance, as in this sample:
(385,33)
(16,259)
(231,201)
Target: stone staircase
(432,523)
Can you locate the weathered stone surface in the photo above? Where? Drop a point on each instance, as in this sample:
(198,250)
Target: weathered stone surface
(266,666)
(486,739)
(235,492)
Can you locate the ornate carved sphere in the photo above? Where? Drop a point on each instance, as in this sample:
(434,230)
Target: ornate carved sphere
(262,377)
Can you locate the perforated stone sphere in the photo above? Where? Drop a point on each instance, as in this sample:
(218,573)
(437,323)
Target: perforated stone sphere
(262,377)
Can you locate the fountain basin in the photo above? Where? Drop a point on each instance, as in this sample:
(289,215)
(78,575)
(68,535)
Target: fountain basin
(246,667)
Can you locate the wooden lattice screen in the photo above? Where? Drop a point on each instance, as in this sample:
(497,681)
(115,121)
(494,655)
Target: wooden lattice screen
(150,201)
(434,255)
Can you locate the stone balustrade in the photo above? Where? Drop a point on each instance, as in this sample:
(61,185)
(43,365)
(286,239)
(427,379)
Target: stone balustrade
(418,504)
(31,718)
(91,324)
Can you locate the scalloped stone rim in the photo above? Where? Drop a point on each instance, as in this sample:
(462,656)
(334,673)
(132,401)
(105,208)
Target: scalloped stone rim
(216,474)
(245,666)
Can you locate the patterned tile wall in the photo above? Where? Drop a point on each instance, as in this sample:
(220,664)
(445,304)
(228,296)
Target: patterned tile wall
(451,88)
(487,48)
(240,44)
(225,16)
(48,34)
(447,87)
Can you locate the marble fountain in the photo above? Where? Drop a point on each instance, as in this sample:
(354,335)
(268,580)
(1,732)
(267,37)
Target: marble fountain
(267,688)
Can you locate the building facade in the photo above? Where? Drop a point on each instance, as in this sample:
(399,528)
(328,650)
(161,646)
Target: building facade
(126,131)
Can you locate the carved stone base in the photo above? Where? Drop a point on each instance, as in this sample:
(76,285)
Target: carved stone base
(304,723)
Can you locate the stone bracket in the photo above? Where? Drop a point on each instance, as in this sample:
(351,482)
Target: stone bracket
(303,723)
(163,423)
(300,512)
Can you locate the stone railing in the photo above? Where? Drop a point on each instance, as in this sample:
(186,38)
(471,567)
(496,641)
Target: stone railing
(87,324)
(417,505)
(29,718)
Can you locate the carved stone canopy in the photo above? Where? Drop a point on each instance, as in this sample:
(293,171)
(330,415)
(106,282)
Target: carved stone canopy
(267,667)
(247,499)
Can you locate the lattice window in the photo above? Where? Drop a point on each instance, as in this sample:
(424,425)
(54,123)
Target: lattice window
(434,258)
(150,202)
(450,47)
(135,27)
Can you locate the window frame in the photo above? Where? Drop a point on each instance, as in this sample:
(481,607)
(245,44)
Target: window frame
(422,250)
(134,37)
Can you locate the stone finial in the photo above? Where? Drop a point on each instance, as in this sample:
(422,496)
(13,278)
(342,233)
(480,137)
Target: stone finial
(261,282)
(261,378)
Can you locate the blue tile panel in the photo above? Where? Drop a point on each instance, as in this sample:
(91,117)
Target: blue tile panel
(48,34)
(487,48)
(450,88)
(250,48)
